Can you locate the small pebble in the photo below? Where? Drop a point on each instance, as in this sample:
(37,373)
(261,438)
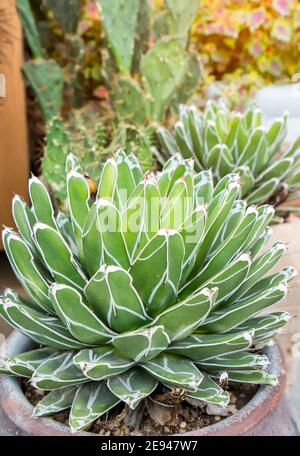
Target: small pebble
(217,418)
(166,429)
(182,425)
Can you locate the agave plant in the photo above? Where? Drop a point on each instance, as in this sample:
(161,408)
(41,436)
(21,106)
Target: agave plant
(227,142)
(156,282)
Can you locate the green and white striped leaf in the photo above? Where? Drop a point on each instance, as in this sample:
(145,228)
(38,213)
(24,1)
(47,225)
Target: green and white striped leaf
(279,170)
(58,257)
(24,219)
(263,192)
(224,321)
(174,370)
(241,360)
(218,210)
(92,244)
(279,278)
(79,204)
(156,272)
(129,176)
(91,401)
(227,281)
(247,179)
(201,346)
(111,295)
(58,372)
(108,180)
(142,344)
(110,226)
(27,270)
(132,386)
(192,232)
(210,392)
(56,401)
(65,227)
(265,324)
(141,215)
(258,377)
(41,203)
(204,186)
(178,206)
(80,320)
(102,362)
(221,160)
(258,269)
(26,363)
(227,251)
(40,327)
(180,320)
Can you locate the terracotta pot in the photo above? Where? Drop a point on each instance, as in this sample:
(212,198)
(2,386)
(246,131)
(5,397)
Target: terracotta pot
(266,413)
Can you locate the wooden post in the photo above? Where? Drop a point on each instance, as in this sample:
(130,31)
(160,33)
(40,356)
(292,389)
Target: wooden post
(14,166)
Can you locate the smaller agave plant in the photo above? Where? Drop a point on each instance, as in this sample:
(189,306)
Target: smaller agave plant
(231,142)
(157,282)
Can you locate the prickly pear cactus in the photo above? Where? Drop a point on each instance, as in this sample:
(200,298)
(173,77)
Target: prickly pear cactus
(30,28)
(46,80)
(90,143)
(53,164)
(66,13)
(151,78)
(120,23)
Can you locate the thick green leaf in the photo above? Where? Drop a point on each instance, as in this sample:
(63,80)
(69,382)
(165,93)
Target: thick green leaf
(101,363)
(141,215)
(174,370)
(56,401)
(180,320)
(258,269)
(92,244)
(58,257)
(142,344)
(40,327)
(24,219)
(259,377)
(113,298)
(224,321)
(26,363)
(132,386)
(91,401)
(41,203)
(263,192)
(80,320)
(156,272)
(201,346)
(79,204)
(58,372)
(110,226)
(227,281)
(27,270)
(108,180)
(265,324)
(210,392)
(241,360)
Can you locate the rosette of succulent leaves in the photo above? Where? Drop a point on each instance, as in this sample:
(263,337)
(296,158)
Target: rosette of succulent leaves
(226,142)
(159,282)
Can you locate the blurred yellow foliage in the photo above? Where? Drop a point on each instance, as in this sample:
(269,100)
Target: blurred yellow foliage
(244,44)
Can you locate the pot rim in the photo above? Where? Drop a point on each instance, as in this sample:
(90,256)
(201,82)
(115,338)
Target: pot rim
(19,410)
